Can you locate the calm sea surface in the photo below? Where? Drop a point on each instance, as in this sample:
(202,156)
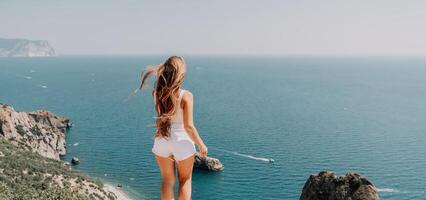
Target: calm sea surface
(307,113)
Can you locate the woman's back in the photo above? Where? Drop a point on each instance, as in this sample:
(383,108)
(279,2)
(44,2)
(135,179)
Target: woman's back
(177,119)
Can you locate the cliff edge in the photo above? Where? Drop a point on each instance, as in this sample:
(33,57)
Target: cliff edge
(30,147)
(39,131)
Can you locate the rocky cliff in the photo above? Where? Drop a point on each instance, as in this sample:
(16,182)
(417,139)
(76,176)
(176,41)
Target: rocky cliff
(25,48)
(327,186)
(38,131)
(30,146)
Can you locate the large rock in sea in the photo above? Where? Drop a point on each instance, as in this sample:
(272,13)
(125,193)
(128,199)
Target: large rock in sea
(207,163)
(38,131)
(25,48)
(75,161)
(327,186)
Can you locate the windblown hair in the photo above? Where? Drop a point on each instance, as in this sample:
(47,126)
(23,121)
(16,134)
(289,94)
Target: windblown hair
(166,91)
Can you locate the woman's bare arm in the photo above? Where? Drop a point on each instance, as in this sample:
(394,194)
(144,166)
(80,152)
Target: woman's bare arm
(188,122)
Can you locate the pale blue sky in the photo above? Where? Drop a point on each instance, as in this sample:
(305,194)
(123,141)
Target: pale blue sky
(221,26)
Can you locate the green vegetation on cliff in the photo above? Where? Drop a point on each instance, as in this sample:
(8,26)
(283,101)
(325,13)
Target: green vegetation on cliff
(28,175)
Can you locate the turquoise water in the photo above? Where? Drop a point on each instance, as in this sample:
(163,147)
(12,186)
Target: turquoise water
(307,113)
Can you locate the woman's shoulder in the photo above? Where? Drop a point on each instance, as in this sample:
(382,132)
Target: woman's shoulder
(187,95)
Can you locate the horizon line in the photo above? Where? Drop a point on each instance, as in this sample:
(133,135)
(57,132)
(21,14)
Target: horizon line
(242,54)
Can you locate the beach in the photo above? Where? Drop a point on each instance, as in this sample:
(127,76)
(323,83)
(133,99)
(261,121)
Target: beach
(121,195)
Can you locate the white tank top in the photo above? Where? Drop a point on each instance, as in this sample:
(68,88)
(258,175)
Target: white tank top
(177,119)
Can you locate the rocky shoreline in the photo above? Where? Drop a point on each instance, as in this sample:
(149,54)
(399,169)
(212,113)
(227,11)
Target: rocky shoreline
(38,131)
(38,138)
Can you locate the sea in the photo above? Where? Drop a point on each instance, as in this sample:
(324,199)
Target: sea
(309,114)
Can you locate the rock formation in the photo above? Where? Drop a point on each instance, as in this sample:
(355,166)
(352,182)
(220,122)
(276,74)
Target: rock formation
(37,139)
(327,186)
(25,48)
(75,161)
(38,131)
(207,163)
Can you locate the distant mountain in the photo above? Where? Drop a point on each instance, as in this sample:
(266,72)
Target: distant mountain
(25,48)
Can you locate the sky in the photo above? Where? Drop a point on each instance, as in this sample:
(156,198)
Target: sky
(278,27)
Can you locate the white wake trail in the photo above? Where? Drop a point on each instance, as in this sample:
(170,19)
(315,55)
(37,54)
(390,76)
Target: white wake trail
(387,190)
(245,155)
(391,190)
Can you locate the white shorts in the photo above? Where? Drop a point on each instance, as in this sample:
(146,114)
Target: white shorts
(179,145)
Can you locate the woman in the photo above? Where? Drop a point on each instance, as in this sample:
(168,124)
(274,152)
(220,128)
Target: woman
(176,133)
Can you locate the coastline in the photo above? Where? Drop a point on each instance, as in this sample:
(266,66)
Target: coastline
(119,192)
(43,151)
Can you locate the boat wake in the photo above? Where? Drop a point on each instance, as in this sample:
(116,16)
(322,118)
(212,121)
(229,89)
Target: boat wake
(245,155)
(391,190)
(387,190)
(31,78)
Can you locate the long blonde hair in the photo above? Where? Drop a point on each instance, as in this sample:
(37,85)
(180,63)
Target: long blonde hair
(166,91)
